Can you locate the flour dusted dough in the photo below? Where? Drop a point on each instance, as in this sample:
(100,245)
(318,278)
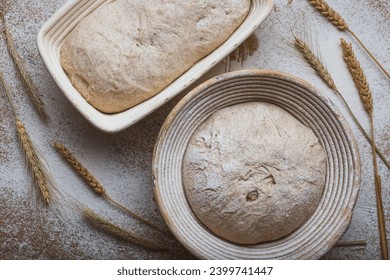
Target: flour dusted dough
(253,173)
(129,50)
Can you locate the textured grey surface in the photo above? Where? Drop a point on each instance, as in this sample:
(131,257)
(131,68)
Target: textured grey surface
(122,162)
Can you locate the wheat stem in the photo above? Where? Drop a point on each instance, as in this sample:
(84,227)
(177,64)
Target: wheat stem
(8,95)
(120,232)
(31,89)
(320,69)
(109,198)
(341,24)
(379,201)
(40,176)
(366,96)
(94,183)
(351,243)
(362,130)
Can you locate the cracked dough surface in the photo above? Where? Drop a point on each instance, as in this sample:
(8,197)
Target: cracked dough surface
(253,173)
(127,51)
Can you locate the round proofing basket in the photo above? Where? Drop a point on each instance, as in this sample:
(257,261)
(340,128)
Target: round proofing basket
(333,214)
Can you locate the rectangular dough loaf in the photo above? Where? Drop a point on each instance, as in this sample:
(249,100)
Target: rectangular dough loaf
(127,51)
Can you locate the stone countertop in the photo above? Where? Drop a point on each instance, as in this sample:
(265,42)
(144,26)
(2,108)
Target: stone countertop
(122,162)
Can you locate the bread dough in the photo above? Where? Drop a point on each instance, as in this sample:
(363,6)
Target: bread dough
(127,51)
(253,173)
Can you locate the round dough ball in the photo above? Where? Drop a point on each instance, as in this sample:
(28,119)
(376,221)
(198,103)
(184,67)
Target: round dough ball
(253,173)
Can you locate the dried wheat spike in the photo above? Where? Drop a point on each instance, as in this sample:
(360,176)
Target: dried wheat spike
(35,164)
(358,76)
(329,13)
(79,168)
(95,185)
(340,23)
(32,90)
(366,97)
(122,233)
(315,62)
(320,69)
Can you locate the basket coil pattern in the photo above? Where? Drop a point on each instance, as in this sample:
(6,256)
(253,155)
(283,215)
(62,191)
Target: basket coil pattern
(333,214)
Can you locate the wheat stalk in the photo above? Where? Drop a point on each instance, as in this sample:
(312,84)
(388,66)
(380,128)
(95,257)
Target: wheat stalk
(351,243)
(366,96)
(32,90)
(341,24)
(94,183)
(39,173)
(120,232)
(316,63)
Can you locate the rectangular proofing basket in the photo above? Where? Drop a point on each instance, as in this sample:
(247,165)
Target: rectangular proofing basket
(54,31)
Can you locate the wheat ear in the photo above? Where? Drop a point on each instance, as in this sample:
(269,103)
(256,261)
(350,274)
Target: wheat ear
(94,183)
(341,24)
(32,90)
(120,232)
(320,69)
(314,62)
(366,96)
(35,164)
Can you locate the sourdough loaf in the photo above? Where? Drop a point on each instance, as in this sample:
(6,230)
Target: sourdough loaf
(253,173)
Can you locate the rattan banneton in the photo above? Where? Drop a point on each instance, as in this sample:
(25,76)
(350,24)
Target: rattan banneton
(333,215)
